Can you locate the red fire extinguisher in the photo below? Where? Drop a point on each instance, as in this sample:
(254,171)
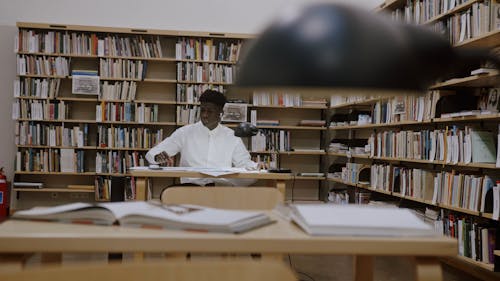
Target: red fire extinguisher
(4,195)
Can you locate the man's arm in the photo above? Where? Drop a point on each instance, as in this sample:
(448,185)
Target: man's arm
(241,157)
(162,152)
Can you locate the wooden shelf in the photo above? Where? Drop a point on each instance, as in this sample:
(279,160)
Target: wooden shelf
(281,127)
(488,40)
(483,80)
(309,178)
(55,173)
(52,190)
(357,103)
(286,107)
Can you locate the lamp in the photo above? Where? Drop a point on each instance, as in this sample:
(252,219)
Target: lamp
(332,45)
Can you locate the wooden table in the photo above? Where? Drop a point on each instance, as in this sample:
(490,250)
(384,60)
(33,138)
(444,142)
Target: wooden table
(283,237)
(142,176)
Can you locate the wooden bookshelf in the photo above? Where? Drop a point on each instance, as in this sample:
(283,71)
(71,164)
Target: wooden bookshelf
(385,131)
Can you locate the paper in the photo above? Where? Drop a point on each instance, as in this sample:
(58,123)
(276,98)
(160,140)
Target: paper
(214,172)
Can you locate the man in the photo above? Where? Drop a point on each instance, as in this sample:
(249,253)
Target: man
(205,144)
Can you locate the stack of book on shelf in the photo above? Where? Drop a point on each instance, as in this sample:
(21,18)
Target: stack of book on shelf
(317,102)
(312,123)
(358,220)
(311,174)
(150,215)
(27,184)
(261,122)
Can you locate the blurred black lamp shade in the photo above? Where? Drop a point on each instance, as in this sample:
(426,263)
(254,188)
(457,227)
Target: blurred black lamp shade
(332,45)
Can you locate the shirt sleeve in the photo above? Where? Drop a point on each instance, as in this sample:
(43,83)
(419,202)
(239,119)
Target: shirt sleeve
(241,157)
(171,145)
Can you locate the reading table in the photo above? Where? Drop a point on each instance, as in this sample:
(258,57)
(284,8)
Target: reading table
(282,237)
(142,176)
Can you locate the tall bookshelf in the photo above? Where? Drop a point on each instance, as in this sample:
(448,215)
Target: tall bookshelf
(147,78)
(397,170)
(150,81)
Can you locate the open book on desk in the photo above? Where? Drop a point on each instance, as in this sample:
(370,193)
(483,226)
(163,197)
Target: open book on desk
(358,220)
(214,172)
(150,215)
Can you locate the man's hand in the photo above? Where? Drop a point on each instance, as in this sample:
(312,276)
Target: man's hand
(163,158)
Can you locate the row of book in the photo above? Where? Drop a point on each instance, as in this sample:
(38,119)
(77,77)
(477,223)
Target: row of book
(36,88)
(44,66)
(449,188)
(271,140)
(277,99)
(114,188)
(74,160)
(476,239)
(451,145)
(204,72)
(55,42)
(51,160)
(127,112)
(187,114)
(123,137)
(118,161)
(130,46)
(207,50)
(40,110)
(266,162)
(125,90)
(191,93)
(405,108)
(123,68)
(32,133)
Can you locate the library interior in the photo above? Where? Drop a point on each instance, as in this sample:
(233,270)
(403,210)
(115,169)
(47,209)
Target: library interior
(250,140)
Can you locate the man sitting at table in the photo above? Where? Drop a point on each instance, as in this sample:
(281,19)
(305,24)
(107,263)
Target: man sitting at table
(205,143)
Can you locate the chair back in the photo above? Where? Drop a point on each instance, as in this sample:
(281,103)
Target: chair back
(158,271)
(226,197)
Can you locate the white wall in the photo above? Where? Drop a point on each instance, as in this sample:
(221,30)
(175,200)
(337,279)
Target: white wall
(241,16)
(236,16)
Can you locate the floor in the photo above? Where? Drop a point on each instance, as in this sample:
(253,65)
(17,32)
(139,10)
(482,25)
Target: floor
(336,268)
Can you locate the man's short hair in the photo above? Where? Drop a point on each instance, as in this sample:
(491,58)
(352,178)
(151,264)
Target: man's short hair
(214,97)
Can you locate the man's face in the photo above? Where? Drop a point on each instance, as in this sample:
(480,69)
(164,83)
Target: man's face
(210,115)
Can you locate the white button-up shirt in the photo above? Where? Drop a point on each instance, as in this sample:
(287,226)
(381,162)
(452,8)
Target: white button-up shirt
(201,147)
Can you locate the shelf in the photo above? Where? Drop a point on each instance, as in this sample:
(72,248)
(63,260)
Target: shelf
(52,190)
(483,80)
(309,178)
(137,123)
(55,147)
(205,82)
(356,103)
(488,40)
(41,76)
(59,121)
(55,173)
(286,107)
(280,127)
(390,5)
(486,266)
(122,148)
(369,126)
(458,8)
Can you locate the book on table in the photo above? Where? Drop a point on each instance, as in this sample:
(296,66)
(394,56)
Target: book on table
(150,215)
(358,220)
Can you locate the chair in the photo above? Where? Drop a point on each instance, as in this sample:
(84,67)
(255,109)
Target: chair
(246,198)
(156,271)
(226,197)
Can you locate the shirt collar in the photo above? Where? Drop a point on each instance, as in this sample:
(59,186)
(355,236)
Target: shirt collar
(210,132)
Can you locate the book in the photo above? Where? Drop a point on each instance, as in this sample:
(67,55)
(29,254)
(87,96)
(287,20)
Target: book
(150,215)
(358,220)
(483,147)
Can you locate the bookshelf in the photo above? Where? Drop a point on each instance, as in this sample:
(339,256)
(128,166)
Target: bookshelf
(149,81)
(146,79)
(406,173)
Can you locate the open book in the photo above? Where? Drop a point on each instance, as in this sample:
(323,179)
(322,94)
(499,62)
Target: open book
(358,220)
(150,215)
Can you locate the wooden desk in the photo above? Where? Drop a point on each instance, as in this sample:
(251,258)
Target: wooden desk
(282,237)
(142,176)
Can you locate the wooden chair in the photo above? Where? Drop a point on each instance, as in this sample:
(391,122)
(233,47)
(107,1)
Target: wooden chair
(226,197)
(246,198)
(156,271)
